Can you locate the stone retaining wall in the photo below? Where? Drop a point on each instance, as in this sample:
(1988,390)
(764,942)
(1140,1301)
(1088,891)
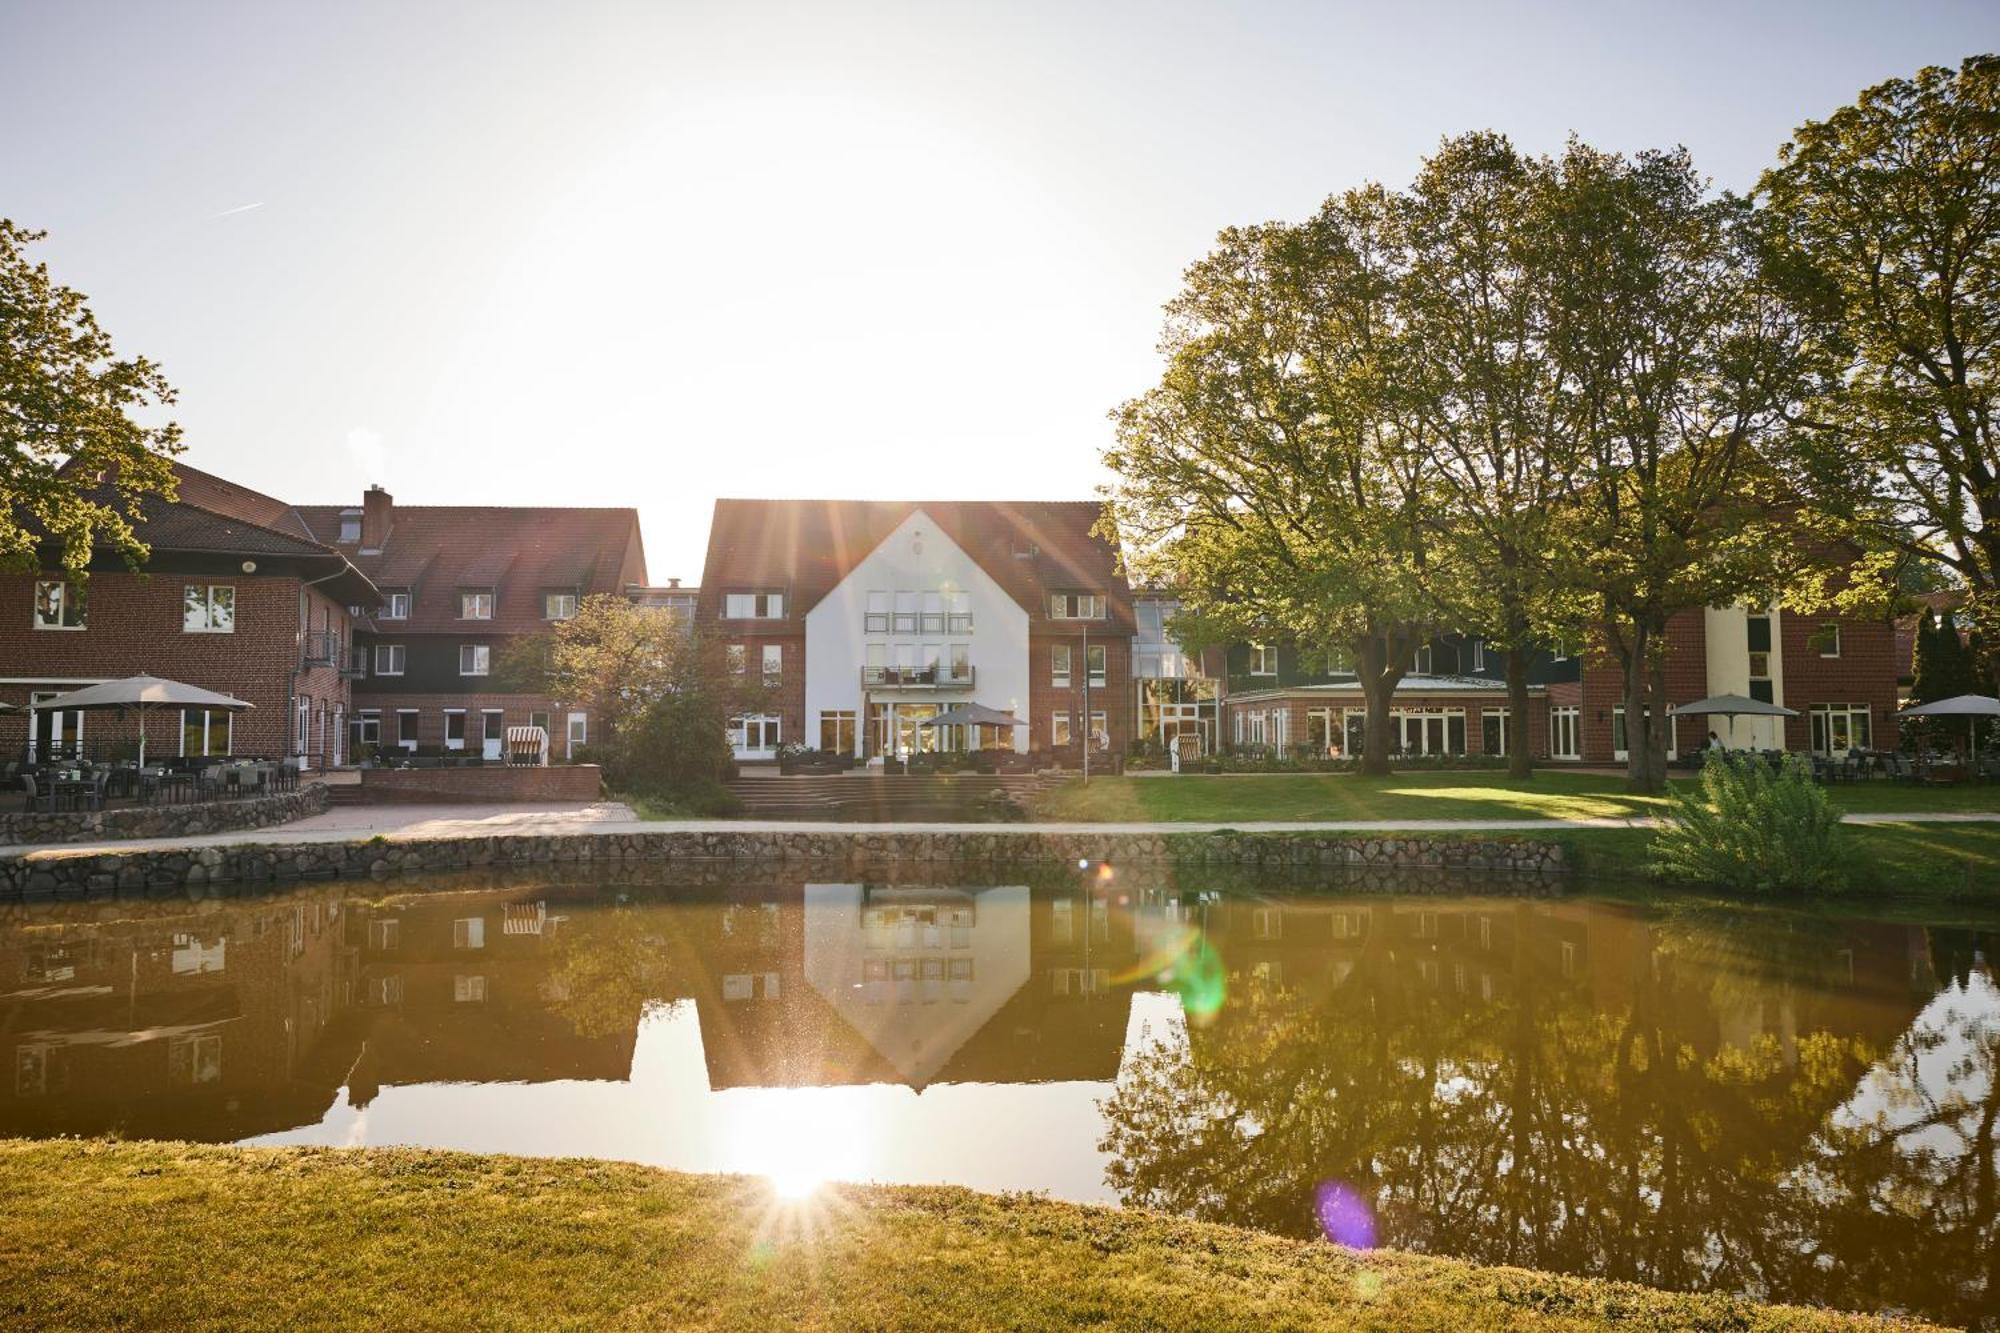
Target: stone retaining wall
(54,873)
(162,821)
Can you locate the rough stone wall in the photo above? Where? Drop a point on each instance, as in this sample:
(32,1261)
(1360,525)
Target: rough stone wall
(54,874)
(162,821)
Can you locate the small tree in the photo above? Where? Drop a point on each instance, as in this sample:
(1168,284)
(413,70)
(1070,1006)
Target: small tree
(1748,826)
(66,423)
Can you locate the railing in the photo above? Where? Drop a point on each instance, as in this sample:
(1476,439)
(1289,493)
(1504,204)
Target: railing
(940,676)
(321,648)
(912,622)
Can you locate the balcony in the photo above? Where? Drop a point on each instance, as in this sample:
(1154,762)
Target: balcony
(941,676)
(321,648)
(915,622)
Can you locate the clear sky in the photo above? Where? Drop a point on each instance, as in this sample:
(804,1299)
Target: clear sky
(649,254)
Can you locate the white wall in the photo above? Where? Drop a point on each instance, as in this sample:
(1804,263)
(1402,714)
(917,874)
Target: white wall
(916,557)
(1726,634)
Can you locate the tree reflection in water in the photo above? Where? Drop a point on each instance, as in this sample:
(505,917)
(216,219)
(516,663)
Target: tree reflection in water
(1708,1104)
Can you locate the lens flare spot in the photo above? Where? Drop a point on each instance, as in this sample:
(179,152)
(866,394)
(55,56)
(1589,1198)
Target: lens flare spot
(1344,1216)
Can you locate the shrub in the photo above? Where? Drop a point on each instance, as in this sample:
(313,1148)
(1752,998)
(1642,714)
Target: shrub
(1752,827)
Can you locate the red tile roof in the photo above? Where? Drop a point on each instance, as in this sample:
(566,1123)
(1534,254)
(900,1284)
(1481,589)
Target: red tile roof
(518,552)
(806,547)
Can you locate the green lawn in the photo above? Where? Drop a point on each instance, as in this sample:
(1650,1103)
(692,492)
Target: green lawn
(95,1235)
(1469,795)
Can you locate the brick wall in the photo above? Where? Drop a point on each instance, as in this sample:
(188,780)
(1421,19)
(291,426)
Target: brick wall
(135,625)
(1045,698)
(788,690)
(516,710)
(1865,672)
(477,785)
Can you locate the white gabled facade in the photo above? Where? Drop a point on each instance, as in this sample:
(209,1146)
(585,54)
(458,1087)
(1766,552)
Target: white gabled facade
(916,627)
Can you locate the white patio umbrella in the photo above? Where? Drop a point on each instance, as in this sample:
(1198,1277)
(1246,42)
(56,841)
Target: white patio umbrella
(1959,705)
(1732,706)
(141,693)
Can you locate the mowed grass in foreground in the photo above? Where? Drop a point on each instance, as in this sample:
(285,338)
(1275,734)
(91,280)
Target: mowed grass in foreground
(96,1234)
(1550,794)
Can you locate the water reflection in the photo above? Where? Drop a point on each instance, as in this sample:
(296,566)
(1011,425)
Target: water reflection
(1762,1102)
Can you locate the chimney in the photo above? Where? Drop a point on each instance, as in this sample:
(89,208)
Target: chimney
(377,508)
(673,583)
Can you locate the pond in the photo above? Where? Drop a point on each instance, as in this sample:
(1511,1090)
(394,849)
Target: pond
(1796,1106)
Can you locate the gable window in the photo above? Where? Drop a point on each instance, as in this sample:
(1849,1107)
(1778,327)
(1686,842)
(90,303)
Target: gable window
(1059,665)
(1076,606)
(389,659)
(58,605)
(395,606)
(475,659)
(475,604)
(209,608)
(558,605)
(774,659)
(753,606)
(1263,660)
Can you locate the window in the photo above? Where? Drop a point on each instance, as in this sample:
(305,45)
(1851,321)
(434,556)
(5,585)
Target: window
(1478,656)
(1827,640)
(475,659)
(558,605)
(1563,727)
(406,728)
(958,612)
(1059,734)
(1076,606)
(933,613)
(385,935)
(58,605)
(1100,731)
(468,932)
(1059,665)
(389,658)
(757,733)
(737,656)
(836,732)
(468,990)
(475,604)
(1263,660)
(368,726)
(579,731)
(1838,728)
(350,526)
(1420,661)
(204,731)
(960,662)
(1618,749)
(876,619)
(194,1060)
(774,659)
(1093,660)
(395,606)
(302,727)
(906,613)
(454,728)
(539,719)
(209,608)
(753,606)
(1493,730)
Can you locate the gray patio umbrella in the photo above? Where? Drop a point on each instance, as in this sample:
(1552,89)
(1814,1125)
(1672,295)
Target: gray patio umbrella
(1734,705)
(1959,705)
(972,715)
(141,693)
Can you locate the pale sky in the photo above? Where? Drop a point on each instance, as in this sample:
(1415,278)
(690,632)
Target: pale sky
(649,254)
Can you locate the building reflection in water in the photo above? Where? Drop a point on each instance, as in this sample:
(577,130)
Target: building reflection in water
(1773,1104)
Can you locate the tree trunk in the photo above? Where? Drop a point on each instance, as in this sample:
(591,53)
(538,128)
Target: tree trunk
(1645,748)
(1660,730)
(1378,659)
(1520,752)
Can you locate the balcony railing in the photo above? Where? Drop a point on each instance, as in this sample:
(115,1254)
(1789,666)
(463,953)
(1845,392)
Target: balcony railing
(913,622)
(941,676)
(321,649)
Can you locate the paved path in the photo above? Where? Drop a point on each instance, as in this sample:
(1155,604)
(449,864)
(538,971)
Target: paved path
(408,822)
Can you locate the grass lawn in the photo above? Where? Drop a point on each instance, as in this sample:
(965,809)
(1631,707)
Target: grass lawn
(95,1234)
(1470,795)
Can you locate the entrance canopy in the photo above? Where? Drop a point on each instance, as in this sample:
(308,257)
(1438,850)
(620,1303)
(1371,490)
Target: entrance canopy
(142,692)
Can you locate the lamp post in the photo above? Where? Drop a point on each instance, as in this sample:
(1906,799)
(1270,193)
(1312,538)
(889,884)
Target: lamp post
(1086,703)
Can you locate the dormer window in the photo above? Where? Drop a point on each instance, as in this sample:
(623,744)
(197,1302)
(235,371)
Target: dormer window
(475,604)
(350,527)
(395,605)
(1076,606)
(558,605)
(753,606)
